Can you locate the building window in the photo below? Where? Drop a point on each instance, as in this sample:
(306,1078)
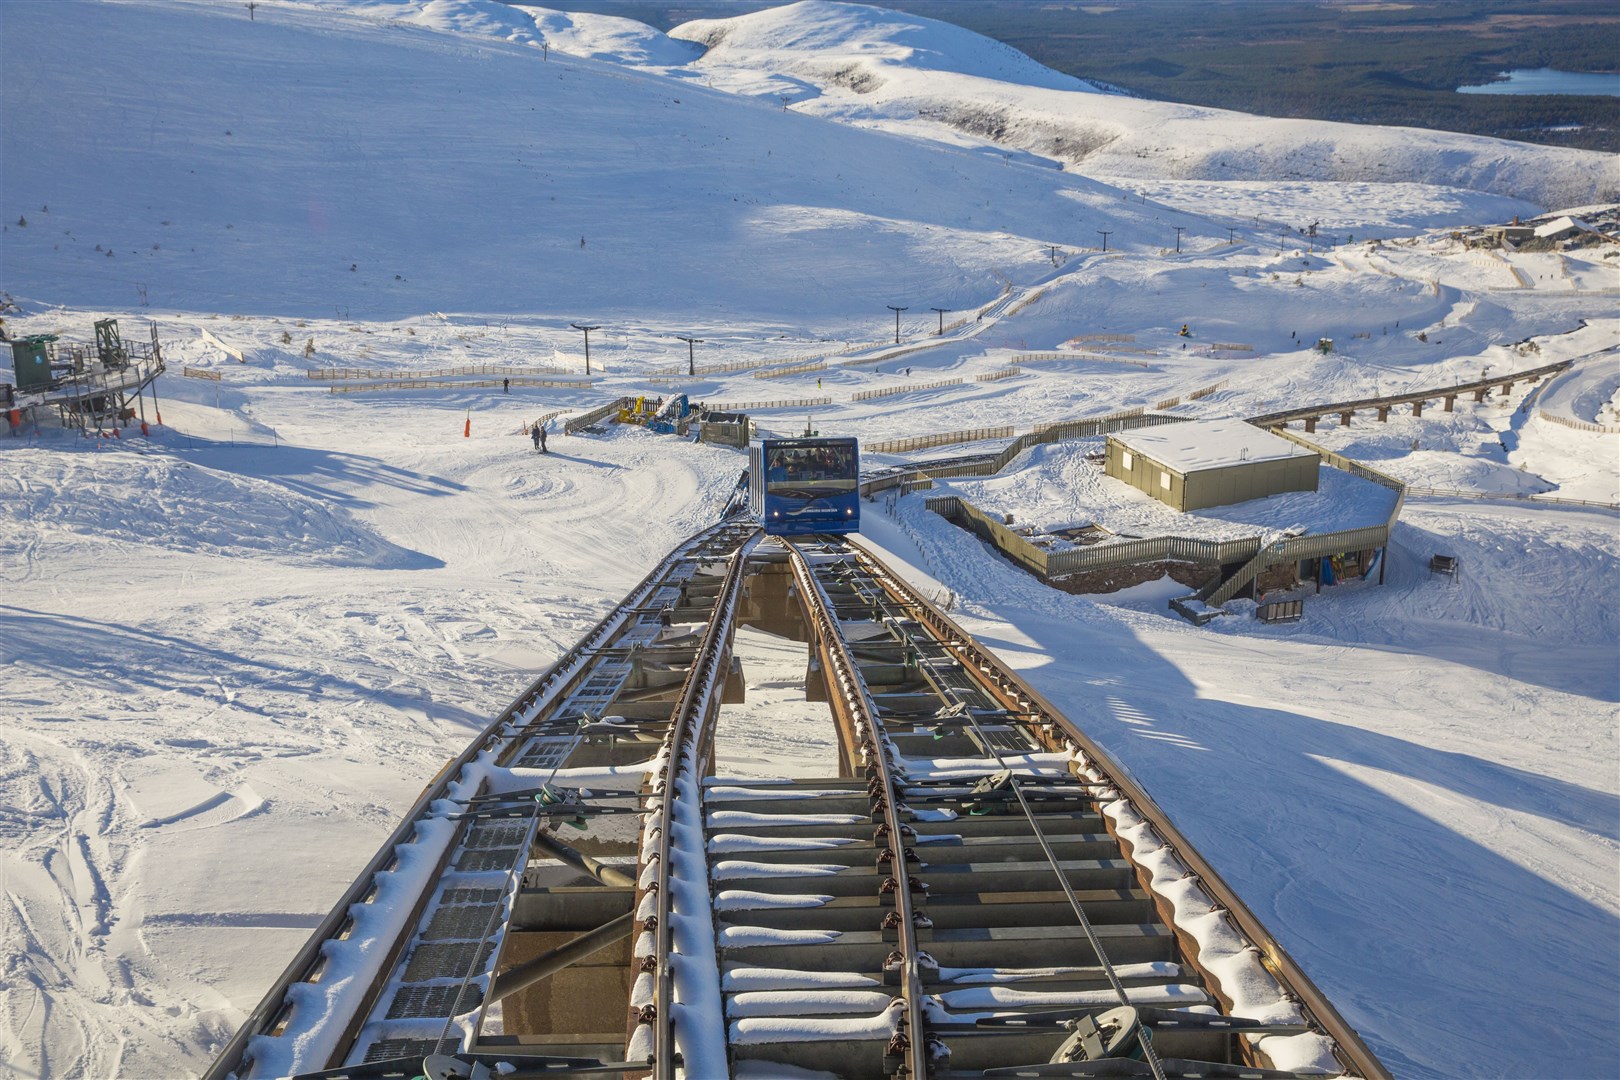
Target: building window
(1164,480)
(1125,460)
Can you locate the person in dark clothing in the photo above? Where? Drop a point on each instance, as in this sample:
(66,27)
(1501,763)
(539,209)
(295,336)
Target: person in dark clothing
(506,386)
(535,435)
(542,428)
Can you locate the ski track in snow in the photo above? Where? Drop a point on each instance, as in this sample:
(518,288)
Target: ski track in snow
(233,654)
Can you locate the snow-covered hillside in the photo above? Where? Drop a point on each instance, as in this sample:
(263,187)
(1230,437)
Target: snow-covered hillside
(313,162)
(233,653)
(883,68)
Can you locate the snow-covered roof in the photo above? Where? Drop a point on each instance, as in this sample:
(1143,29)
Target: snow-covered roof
(1559,226)
(1208,444)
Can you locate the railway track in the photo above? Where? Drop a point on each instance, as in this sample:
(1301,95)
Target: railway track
(976,892)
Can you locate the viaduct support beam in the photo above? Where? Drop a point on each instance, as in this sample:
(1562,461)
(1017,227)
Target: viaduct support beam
(1479,395)
(1451,402)
(1417,408)
(552,961)
(1383,414)
(1344,417)
(1310,425)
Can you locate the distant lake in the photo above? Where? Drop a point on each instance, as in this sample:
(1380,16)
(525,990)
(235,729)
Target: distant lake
(1548,81)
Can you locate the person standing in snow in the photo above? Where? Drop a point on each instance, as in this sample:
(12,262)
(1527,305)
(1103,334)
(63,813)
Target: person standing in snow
(542,428)
(535,435)
(506,386)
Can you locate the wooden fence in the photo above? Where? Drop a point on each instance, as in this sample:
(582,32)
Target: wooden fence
(596,415)
(1511,496)
(747,365)
(542,420)
(1254,552)
(795,369)
(868,395)
(336,374)
(460,384)
(1200,393)
(1578,425)
(199,373)
(891,353)
(1024,303)
(939,438)
(1003,373)
(1050,564)
(760,406)
(990,464)
(1082,357)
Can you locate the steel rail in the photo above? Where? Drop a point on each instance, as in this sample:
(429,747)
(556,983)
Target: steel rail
(1148,1051)
(1353,1051)
(551,684)
(688,729)
(851,689)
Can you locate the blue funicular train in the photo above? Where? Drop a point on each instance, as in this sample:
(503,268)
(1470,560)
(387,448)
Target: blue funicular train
(808,485)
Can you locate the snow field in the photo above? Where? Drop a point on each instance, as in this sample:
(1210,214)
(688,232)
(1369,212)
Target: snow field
(235,653)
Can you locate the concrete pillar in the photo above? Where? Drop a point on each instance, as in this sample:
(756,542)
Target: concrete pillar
(1451,402)
(1507,388)
(1310,425)
(1417,408)
(1344,417)
(1383,414)
(1479,395)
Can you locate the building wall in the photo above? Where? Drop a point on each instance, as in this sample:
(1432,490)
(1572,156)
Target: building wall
(1211,487)
(1242,482)
(1145,474)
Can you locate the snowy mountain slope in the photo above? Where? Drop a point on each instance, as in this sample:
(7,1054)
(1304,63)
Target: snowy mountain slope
(235,652)
(873,66)
(342,162)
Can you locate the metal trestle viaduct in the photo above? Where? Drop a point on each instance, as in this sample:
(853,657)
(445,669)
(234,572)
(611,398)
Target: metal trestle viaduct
(979,892)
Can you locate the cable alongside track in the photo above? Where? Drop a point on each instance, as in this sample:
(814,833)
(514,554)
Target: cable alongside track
(979,892)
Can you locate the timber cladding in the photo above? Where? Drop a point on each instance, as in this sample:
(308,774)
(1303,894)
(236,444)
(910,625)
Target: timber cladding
(1217,485)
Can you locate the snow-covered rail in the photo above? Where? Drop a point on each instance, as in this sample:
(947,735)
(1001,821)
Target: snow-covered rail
(404,966)
(1046,919)
(978,889)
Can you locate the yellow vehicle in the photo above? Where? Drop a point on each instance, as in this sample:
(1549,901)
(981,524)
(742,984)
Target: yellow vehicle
(639,413)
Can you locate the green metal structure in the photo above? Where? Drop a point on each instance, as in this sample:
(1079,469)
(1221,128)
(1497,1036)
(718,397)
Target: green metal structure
(31,360)
(109,346)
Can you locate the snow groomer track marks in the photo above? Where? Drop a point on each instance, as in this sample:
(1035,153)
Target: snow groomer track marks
(978,893)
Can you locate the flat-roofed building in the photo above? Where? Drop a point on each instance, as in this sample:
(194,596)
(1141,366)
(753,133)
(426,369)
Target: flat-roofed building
(1206,463)
(1562,228)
